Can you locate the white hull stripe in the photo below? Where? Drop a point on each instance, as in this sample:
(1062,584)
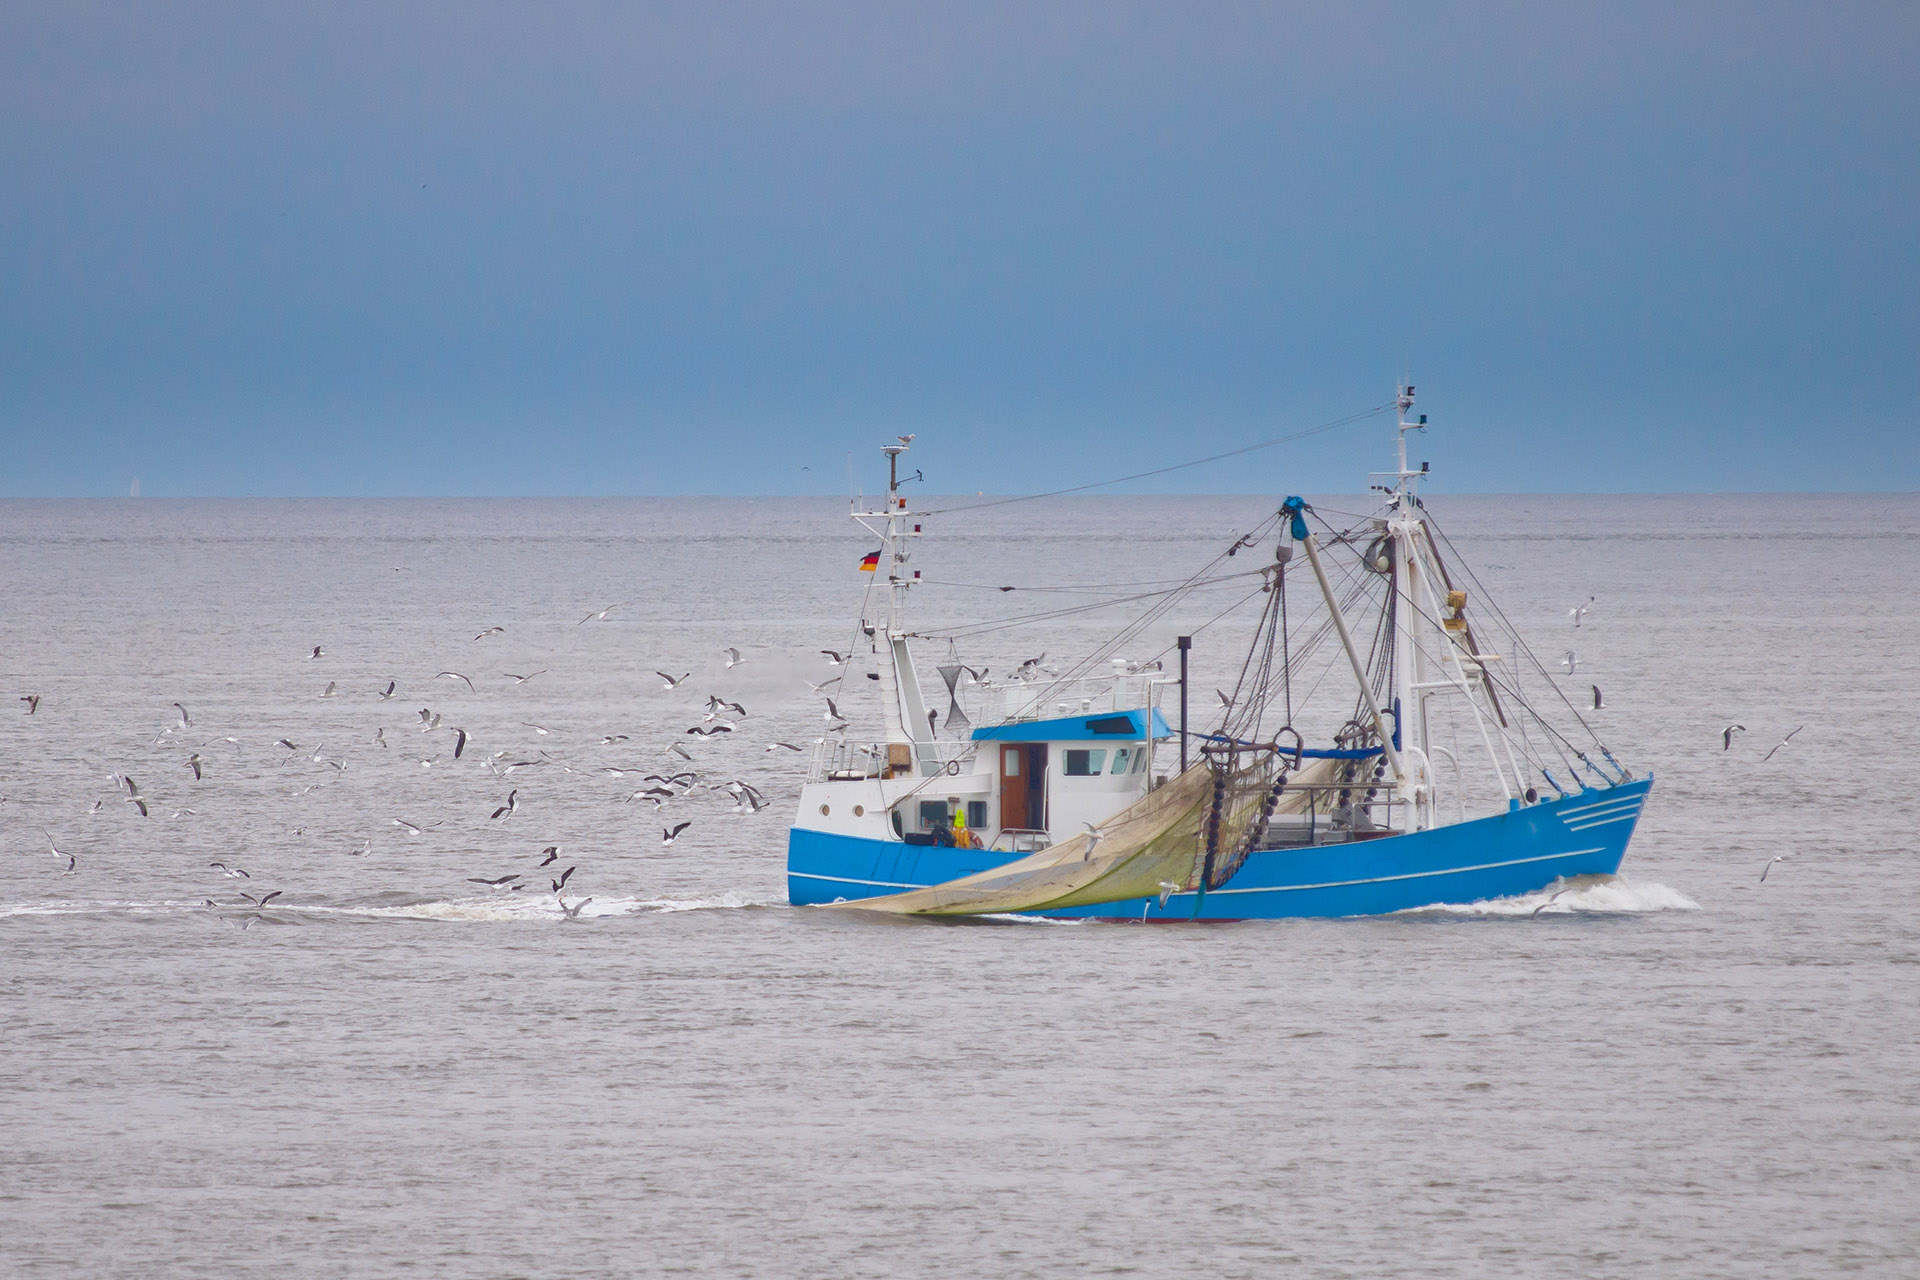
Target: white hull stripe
(1415,875)
(876,884)
(1277,888)
(1601,822)
(1600,805)
(1628,810)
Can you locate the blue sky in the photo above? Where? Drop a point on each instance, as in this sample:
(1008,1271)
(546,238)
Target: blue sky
(708,248)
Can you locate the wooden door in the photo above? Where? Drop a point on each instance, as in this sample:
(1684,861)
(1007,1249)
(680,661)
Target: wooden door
(1013,788)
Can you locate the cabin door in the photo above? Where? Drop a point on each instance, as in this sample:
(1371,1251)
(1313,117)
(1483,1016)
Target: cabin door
(1013,787)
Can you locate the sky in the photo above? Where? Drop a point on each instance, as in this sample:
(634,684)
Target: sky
(502,249)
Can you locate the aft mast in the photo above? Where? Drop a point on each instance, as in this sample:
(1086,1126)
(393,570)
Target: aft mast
(903,708)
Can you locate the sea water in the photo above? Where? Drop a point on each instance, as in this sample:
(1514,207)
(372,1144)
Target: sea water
(396,1069)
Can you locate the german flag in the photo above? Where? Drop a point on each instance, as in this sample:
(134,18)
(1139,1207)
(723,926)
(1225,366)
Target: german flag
(870,563)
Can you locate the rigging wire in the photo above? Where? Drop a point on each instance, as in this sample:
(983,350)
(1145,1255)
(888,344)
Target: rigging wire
(1347,421)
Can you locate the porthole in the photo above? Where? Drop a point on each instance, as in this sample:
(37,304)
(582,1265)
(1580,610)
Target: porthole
(823,811)
(859,811)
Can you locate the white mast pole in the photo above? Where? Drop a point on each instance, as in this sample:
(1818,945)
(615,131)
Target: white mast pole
(1353,658)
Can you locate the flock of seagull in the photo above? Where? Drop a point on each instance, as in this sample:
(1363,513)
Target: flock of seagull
(235,896)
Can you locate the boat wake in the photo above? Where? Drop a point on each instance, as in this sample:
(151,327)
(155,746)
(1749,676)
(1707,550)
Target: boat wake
(492,907)
(1583,895)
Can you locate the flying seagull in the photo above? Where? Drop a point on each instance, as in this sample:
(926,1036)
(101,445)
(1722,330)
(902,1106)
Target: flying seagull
(330,690)
(459,742)
(511,807)
(824,685)
(33,702)
(573,912)
(185,719)
(540,729)
(783,746)
(565,876)
(317,652)
(832,713)
(1570,661)
(1579,611)
(1093,840)
(455,675)
(1167,889)
(552,851)
(733,656)
(669,835)
(1596,697)
(194,762)
(1783,742)
(1550,901)
(836,659)
(492,884)
(388,691)
(671,681)
(708,730)
(490,631)
(612,739)
(58,852)
(1778,857)
(523,679)
(1225,701)
(231,873)
(1726,735)
(602,615)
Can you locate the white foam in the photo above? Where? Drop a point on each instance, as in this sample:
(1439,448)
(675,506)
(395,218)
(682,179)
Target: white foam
(1600,895)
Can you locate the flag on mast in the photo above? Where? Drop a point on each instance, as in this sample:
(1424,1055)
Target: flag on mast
(871,562)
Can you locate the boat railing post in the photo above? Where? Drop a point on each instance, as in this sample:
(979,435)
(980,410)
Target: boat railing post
(1185,643)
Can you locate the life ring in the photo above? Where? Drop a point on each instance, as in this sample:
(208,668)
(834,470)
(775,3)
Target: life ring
(953,768)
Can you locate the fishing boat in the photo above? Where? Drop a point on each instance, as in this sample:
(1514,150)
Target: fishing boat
(1390,743)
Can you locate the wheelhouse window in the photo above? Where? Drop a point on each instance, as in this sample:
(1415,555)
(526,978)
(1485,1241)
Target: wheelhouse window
(933,813)
(1086,762)
(1120,759)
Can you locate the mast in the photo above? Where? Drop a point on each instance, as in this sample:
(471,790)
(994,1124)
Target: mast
(902,704)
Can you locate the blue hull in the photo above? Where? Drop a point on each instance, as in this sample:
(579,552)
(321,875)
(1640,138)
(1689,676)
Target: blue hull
(1495,857)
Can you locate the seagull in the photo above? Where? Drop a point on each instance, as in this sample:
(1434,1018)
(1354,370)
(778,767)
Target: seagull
(1570,662)
(552,851)
(671,681)
(1596,697)
(824,685)
(675,749)
(573,912)
(455,675)
(833,713)
(231,873)
(33,702)
(707,731)
(602,615)
(72,862)
(1579,611)
(613,738)
(906,439)
(835,659)
(412,829)
(365,850)
(1726,735)
(565,876)
(1093,840)
(289,744)
(317,652)
(1783,742)
(1778,857)
(194,762)
(330,690)
(490,631)
(669,835)
(1225,701)
(430,723)
(388,691)
(185,719)
(380,736)
(542,730)
(137,801)
(523,679)
(783,746)
(459,742)
(733,656)
(1167,889)
(1550,901)
(511,807)
(492,884)
(262,900)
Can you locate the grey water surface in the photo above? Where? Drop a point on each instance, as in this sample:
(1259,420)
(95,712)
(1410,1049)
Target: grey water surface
(394,1070)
